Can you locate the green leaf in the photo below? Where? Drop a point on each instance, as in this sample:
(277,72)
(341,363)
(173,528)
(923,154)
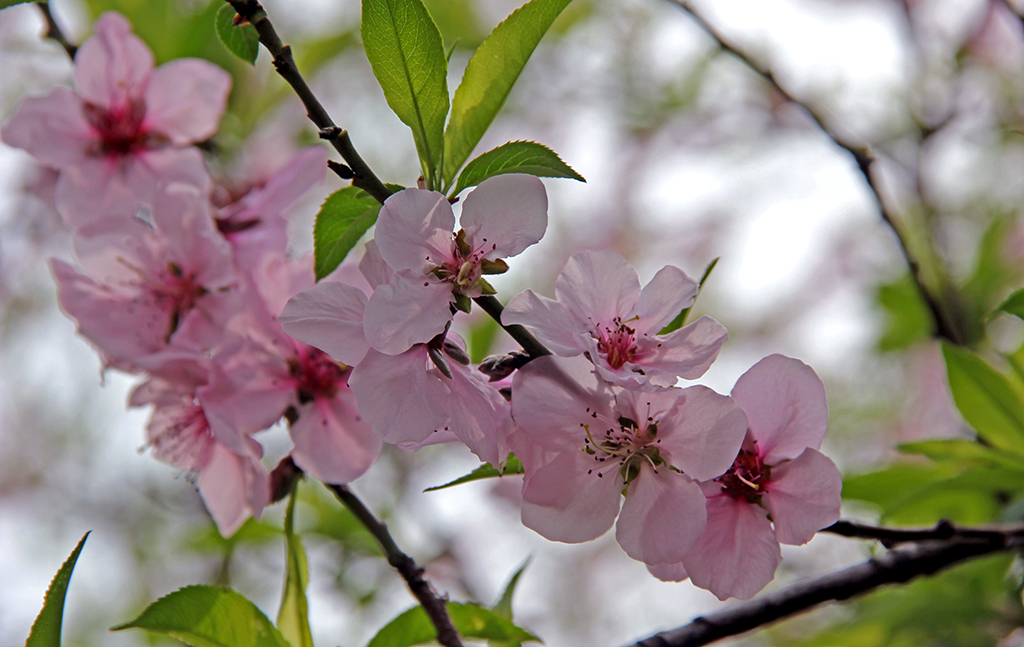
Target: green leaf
(503,606)
(486,471)
(964,452)
(908,319)
(240,40)
(1014,304)
(293,618)
(489,77)
(207,616)
(10,3)
(680,319)
(46,629)
(344,217)
(413,627)
(407,55)
(986,399)
(515,157)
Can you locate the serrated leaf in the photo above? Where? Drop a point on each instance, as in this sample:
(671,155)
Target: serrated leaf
(413,627)
(207,616)
(986,399)
(486,471)
(46,629)
(489,77)
(407,56)
(1014,304)
(503,606)
(515,157)
(342,220)
(240,40)
(293,618)
(680,319)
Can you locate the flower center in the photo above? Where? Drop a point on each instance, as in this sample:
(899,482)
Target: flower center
(747,476)
(317,374)
(184,435)
(120,129)
(176,293)
(624,443)
(617,344)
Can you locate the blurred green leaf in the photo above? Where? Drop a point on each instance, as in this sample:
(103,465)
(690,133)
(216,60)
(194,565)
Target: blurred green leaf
(964,452)
(407,55)
(342,220)
(337,523)
(515,157)
(489,77)
(908,319)
(293,618)
(986,399)
(206,616)
(681,318)
(240,40)
(503,606)
(481,338)
(209,540)
(47,627)
(1014,304)
(413,627)
(458,22)
(486,471)
(10,3)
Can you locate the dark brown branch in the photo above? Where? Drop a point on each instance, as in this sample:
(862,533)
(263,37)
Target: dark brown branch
(433,604)
(944,327)
(54,32)
(523,337)
(925,552)
(362,176)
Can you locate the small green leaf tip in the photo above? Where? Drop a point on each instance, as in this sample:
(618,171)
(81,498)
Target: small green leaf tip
(239,39)
(47,627)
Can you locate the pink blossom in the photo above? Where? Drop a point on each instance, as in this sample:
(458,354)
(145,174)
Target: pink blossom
(435,268)
(602,311)
(127,128)
(583,443)
(780,488)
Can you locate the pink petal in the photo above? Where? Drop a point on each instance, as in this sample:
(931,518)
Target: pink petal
(598,287)
(553,396)
(480,416)
(703,435)
(411,309)
(562,502)
(233,488)
(785,404)
(668,293)
(185,100)
(302,171)
(668,572)
(328,316)
(687,352)
(414,230)
(51,128)
(373,268)
(803,496)
(380,378)
(114,64)
(553,323)
(662,516)
(737,555)
(505,214)
(332,442)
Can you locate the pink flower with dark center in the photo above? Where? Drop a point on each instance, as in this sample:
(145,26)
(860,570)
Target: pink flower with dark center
(602,312)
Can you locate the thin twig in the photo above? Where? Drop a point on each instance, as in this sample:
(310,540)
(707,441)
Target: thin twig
(433,604)
(926,555)
(362,176)
(54,32)
(862,155)
(523,337)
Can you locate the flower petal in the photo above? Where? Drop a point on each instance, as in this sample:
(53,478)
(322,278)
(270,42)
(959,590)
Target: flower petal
(553,323)
(233,488)
(552,397)
(411,309)
(414,230)
(668,293)
(598,287)
(702,436)
(332,442)
(114,64)
(687,352)
(803,496)
(51,128)
(505,214)
(185,100)
(328,316)
(480,416)
(668,572)
(662,516)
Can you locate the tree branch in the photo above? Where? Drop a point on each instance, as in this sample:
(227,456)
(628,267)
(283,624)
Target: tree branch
(54,32)
(925,552)
(944,327)
(433,604)
(523,337)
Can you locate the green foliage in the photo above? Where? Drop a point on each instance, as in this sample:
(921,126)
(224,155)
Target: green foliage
(207,616)
(293,618)
(503,606)
(486,471)
(337,523)
(481,338)
(987,399)
(10,3)
(965,452)
(413,627)
(489,77)
(680,319)
(1013,304)
(241,40)
(342,220)
(908,319)
(46,629)
(407,55)
(458,22)
(515,157)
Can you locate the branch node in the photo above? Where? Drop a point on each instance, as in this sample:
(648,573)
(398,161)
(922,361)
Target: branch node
(344,172)
(330,132)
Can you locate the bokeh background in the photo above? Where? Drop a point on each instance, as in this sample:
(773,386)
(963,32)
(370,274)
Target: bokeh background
(689,156)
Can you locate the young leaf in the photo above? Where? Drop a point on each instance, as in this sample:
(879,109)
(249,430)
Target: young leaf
(413,627)
(344,217)
(407,55)
(503,607)
(986,399)
(680,319)
(515,157)
(207,616)
(293,618)
(489,77)
(1014,304)
(46,629)
(486,471)
(240,40)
